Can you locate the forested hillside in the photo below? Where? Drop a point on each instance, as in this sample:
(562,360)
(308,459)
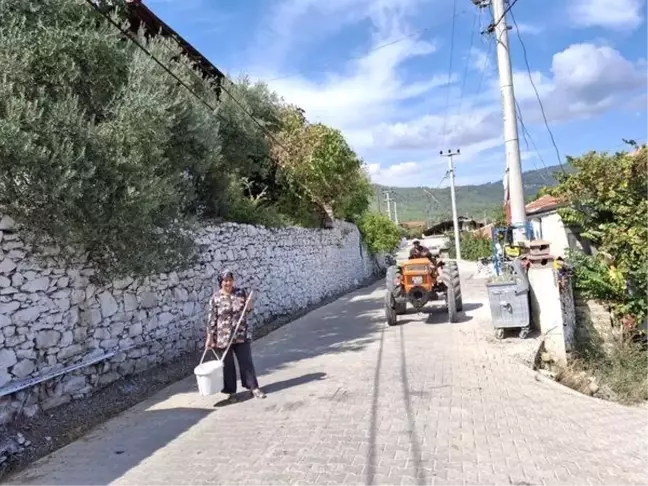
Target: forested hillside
(476,201)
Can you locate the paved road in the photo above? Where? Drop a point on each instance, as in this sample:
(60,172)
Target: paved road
(353,401)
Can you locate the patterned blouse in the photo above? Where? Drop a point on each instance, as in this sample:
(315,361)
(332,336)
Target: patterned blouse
(224,312)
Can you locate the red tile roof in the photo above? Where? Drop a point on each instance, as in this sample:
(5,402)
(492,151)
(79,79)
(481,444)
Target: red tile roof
(543,204)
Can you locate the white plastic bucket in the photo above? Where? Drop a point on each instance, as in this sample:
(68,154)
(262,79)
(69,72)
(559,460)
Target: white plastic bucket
(209,376)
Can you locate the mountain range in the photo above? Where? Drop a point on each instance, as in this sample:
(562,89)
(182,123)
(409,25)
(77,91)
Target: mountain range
(483,201)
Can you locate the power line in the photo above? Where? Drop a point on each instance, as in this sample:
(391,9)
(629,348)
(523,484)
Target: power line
(535,89)
(470,49)
(486,67)
(98,9)
(527,136)
(180,81)
(447,104)
(380,46)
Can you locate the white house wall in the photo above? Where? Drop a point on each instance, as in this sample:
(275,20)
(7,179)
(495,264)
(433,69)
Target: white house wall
(549,227)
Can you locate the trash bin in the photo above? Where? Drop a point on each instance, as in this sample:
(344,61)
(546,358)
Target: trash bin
(508,296)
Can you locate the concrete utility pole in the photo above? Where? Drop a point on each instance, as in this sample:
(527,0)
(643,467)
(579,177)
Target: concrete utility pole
(455,220)
(395,212)
(511,140)
(388,201)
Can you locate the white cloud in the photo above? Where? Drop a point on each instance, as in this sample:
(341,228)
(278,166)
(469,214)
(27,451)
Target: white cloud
(609,14)
(367,90)
(587,80)
(481,60)
(529,29)
(393,175)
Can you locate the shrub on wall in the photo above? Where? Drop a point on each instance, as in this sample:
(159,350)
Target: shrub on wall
(103,151)
(379,233)
(100,149)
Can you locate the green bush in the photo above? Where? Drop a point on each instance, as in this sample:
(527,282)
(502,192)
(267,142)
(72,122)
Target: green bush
(379,233)
(610,208)
(102,150)
(473,247)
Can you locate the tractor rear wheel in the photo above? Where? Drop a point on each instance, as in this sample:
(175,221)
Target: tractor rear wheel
(451,279)
(451,302)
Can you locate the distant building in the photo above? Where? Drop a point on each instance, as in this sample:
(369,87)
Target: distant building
(465,224)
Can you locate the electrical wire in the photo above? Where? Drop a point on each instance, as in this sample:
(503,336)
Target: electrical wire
(486,67)
(535,89)
(380,46)
(180,81)
(492,26)
(527,136)
(470,49)
(447,104)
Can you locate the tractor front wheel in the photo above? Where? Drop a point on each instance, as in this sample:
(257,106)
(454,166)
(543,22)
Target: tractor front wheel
(390,309)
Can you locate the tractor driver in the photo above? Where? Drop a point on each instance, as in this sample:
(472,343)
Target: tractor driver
(419,251)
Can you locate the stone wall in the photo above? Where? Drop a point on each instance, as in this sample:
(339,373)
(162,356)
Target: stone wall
(594,325)
(62,335)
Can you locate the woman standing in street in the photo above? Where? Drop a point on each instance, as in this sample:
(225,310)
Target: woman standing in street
(225,309)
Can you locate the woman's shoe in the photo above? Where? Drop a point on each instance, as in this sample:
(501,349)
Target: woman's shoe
(231,399)
(257,393)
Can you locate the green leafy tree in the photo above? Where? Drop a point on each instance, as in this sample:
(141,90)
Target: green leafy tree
(317,163)
(379,233)
(607,201)
(244,108)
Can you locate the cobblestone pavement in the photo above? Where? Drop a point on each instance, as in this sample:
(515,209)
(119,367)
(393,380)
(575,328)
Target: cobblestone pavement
(352,401)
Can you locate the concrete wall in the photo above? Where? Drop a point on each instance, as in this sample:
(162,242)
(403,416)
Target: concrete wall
(54,318)
(552,310)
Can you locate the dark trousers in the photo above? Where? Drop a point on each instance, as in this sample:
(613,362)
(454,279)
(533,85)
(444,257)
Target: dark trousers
(243,352)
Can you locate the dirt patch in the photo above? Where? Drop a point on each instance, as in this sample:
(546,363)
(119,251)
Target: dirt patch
(56,428)
(619,376)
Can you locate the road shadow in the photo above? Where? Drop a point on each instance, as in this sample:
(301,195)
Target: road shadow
(293,382)
(122,450)
(372,462)
(346,326)
(415,442)
(436,314)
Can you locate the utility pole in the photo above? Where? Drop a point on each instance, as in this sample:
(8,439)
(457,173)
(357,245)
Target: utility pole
(455,220)
(388,201)
(511,140)
(396,212)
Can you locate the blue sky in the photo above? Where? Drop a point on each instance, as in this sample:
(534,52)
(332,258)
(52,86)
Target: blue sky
(378,71)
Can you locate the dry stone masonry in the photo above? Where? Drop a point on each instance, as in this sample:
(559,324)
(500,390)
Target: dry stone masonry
(57,324)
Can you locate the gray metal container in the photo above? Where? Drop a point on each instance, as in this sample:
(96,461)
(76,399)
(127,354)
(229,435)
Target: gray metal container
(509,302)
